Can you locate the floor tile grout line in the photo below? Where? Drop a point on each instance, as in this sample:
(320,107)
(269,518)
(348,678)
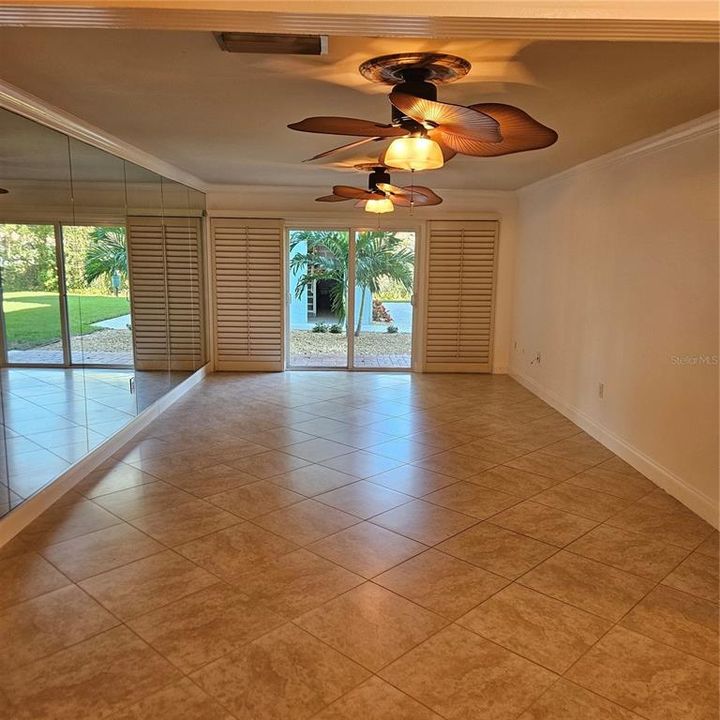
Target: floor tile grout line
(390,662)
(72,583)
(561,675)
(617,624)
(122,521)
(465,629)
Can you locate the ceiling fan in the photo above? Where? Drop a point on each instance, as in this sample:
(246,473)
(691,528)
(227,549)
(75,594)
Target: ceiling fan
(426,133)
(382,196)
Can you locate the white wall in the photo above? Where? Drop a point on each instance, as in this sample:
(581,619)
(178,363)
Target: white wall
(295,204)
(616,276)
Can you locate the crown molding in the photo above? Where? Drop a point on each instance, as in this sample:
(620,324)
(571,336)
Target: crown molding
(708,124)
(16,100)
(671,21)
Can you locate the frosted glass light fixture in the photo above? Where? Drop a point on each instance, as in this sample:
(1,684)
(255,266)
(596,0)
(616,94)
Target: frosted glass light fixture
(414,153)
(381,205)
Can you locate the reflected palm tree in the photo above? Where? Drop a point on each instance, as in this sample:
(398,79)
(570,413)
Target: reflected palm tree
(107,256)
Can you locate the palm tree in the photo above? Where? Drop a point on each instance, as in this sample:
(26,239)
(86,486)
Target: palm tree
(106,254)
(379,254)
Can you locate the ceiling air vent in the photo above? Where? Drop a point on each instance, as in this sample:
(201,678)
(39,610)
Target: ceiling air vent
(236,42)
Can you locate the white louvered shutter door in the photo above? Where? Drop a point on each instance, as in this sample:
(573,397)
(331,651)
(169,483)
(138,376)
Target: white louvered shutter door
(148,292)
(460,295)
(247,257)
(166,293)
(183,253)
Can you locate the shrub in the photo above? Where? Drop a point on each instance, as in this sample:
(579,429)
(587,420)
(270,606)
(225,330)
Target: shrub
(336,329)
(320,327)
(380,313)
(392,329)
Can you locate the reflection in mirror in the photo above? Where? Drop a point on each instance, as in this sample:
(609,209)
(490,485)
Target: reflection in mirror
(100,275)
(147,282)
(6,500)
(182,266)
(94,274)
(44,420)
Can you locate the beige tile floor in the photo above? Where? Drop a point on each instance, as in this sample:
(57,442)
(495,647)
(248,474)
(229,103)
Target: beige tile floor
(346,546)
(52,417)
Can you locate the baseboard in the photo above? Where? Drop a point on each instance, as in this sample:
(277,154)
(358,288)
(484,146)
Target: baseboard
(19,518)
(698,502)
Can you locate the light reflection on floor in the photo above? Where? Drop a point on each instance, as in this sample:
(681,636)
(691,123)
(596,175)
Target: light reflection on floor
(52,417)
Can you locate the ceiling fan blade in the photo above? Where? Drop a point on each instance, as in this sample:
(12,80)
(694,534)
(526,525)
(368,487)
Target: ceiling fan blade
(352,193)
(520,132)
(451,119)
(448,152)
(347,146)
(417,196)
(331,198)
(390,189)
(347,126)
(426,196)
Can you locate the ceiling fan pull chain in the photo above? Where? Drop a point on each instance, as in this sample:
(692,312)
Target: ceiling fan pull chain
(412,192)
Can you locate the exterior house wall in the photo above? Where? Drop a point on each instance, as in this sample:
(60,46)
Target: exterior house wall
(299,303)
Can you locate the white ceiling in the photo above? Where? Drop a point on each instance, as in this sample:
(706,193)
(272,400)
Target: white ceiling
(222,116)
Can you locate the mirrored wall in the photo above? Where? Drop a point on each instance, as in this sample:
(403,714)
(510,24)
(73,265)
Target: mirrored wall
(101,302)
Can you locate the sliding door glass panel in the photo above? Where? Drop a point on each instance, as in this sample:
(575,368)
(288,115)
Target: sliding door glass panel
(98,297)
(317,288)
(30,297)
(384,277)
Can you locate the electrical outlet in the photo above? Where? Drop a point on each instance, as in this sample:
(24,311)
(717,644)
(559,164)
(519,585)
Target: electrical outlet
(601,390)
(538,358)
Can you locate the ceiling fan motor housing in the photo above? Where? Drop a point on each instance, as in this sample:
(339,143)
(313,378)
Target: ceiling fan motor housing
(415,82)
(378,175)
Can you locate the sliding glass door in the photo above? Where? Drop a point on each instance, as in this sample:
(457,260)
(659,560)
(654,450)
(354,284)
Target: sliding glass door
(318,264)
(331,326)
(65,295)
(98,300)
(32,314)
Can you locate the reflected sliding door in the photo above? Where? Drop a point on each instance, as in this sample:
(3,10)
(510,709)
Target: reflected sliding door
(32,311)
(98,299)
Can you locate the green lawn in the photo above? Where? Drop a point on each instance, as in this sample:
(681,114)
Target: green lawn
(33,318)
